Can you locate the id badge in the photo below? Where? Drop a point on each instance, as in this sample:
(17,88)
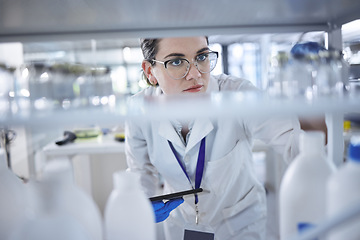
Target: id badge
(198,232)
(196,235)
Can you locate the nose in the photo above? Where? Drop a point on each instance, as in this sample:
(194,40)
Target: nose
(193,72)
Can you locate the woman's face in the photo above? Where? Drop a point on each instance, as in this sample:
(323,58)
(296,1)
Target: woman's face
(175,48)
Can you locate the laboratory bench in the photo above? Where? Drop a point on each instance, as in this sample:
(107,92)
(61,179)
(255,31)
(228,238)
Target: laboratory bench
(93,160)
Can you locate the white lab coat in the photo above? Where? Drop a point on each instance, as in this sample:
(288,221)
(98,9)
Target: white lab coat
(235,208)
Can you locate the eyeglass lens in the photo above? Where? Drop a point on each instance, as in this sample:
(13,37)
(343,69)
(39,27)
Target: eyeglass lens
(178,68)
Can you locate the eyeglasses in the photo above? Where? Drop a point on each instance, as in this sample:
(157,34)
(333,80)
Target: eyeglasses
(179,67)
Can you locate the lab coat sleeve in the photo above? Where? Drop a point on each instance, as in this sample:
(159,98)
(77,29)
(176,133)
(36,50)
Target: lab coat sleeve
(280,133)
(137,157)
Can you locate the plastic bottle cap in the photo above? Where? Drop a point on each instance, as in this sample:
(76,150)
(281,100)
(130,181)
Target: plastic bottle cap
(126,181)
(312,141)
(347,125)
(354,149)
(59,169)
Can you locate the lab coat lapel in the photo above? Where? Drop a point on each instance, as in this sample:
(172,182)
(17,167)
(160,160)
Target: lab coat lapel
(167,131)
(201,128)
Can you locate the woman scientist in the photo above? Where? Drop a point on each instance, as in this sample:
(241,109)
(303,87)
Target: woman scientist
(215,155)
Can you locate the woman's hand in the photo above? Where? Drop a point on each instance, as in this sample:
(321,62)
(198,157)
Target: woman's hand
(162,209)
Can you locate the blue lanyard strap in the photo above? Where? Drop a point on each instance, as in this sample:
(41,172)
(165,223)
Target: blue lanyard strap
(199,166)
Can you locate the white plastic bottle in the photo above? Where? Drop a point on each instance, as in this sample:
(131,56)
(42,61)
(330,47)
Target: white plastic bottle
(303,187)
(51,221)
(344,192)
(59,202)
(75,201)
(128,212)
(12,199)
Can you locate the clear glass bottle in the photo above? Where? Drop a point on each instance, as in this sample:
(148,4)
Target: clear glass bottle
(279,77)
(40,86)
(301,77)
(329,78)
(6,89)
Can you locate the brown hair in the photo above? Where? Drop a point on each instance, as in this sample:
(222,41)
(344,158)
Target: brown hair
(149,48)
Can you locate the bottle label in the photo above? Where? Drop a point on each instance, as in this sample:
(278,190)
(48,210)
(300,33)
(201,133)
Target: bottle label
(304,226)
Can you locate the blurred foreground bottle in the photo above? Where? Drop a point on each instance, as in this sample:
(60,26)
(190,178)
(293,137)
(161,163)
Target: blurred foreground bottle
(12,199)
(303,188)
(344,192)
(128,212)
(60,210)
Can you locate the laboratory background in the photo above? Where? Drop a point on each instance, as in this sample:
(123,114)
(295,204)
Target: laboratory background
(68,68)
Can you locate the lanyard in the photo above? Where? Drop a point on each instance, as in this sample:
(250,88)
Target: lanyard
(199,165)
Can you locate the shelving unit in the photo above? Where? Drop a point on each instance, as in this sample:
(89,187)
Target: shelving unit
(90,19)
(43,20)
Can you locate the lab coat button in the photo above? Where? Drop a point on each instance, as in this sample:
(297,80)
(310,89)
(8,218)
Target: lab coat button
(186,158)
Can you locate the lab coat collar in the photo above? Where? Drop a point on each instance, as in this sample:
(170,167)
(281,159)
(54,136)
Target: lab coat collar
(200,129)
(167,131)
(213,85)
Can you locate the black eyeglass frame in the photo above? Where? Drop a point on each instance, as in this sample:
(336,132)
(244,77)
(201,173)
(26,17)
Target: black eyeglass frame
(195,63)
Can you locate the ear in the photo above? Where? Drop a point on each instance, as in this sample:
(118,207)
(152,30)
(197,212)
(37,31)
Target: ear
(147,69)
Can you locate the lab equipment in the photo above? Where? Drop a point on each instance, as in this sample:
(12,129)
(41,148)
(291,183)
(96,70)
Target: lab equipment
(303,188)
(343,192)
(6,90)
(162,209)
(331,78)
(279,76)
(304,63)
(69,137)
(128,212)
(309,71)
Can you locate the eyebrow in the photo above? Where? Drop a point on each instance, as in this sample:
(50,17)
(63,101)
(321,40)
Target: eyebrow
(182,55)
(203,50)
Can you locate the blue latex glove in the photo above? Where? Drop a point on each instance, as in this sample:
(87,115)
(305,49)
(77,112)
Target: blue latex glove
(163,209)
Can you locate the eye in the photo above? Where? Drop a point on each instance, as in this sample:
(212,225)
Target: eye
(175,62)
(202,57)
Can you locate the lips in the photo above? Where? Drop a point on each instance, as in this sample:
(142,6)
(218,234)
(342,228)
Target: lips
(194,88)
